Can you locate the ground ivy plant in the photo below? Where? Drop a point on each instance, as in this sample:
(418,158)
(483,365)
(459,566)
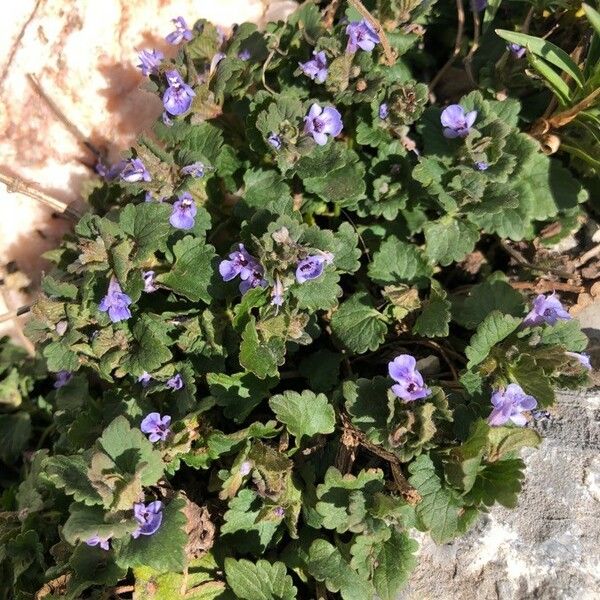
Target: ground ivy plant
(265,367)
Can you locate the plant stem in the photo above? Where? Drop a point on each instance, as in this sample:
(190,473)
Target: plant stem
(460,15)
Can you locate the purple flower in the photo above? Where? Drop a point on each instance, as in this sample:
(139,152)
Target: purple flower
(149,283)
(456,123)
(134,170)
(178,97)
(274,140)
(478,5)
(410,385)
(240,263)
(516,50)
(311,267)
(61,327)
(244,54)
(184,211)
(482,165)
(509,404)
(112,172)
(166,119)
(277,293)
(62,378)
(547,310)
(361,35)
(149,61)
(316,68)
(156,426)
(148,517)
(255,280)
(279,511)
(145,379)
(321,122)
(181,32)
(245,467)
(116,303)
(175,382)
(383,111)
(96,540)
(584,359)
(196,169)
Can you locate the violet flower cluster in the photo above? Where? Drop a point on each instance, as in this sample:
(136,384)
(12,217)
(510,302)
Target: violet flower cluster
(150,61)
(509,405)
(409,384)
(243,265)
(182,32)
(316,68)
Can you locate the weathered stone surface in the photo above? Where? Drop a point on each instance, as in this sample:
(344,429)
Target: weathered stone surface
(548,547)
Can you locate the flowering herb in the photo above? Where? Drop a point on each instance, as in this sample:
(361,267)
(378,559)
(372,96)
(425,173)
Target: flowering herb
(156,427)
(361,35)
(184,212)
(409,384)
(546,309)
(178,97)
(148,517)
(316,68)
(134,171)
(456,122)
(181,32)
(367,239)
(509,405)
(116,303)
(321,122)
(96,540)
(244,54)
(516,50)
(150,61)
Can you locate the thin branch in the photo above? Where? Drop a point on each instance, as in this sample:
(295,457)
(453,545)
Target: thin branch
(522,261)
(330,13)
(60,115)
(587,256)
(460,15)
(474,47)
(15,184)
(390,58)
(360,237)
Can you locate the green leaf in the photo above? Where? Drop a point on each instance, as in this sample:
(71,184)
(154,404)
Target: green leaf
(367,404)
(191,274)
(534,381)
(24,550)
(464,461)
(546,50)
(149,351)
(357,325)
(326,563)
(148,225)
(263,187)
(484,298)
(394,563)
(498,482)
(440,510)
(259,581)
(261,357)
(449,240)
(593,17)
(15,430)
(435,317)
(322,369)
(304,414)
(87,521)
(318,294)
(164,550)
(503,441)
(398,262)
(567,334)
(201,143)
(69,473)
(492,330)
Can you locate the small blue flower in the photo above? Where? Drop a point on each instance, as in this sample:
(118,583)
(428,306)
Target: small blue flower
(509,404)
(456,122)
(321,122)
(178,97)
(582,358)
(184,212)
(116,303)
(134,171)
(516,50)
(361,35)
(384,111)
(244,54)
(409,382)
(96,540)
(156,426)
(145,379)
(148,517)
(316,68)
(149,283)
(181,32)
(166,119)
(62,378)
(196,169)
(150,61)
(277,293)
(175,382)
(274,140)
(311,267)
(547,310)
(482,165)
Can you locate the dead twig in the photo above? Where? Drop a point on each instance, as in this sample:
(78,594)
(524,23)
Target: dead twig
(522,261)
(390,58)
(468,61)
(15,184)
(460,15)
(541,287)
(587,256)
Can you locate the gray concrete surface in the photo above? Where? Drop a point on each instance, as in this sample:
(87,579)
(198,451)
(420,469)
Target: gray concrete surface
(548,548)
